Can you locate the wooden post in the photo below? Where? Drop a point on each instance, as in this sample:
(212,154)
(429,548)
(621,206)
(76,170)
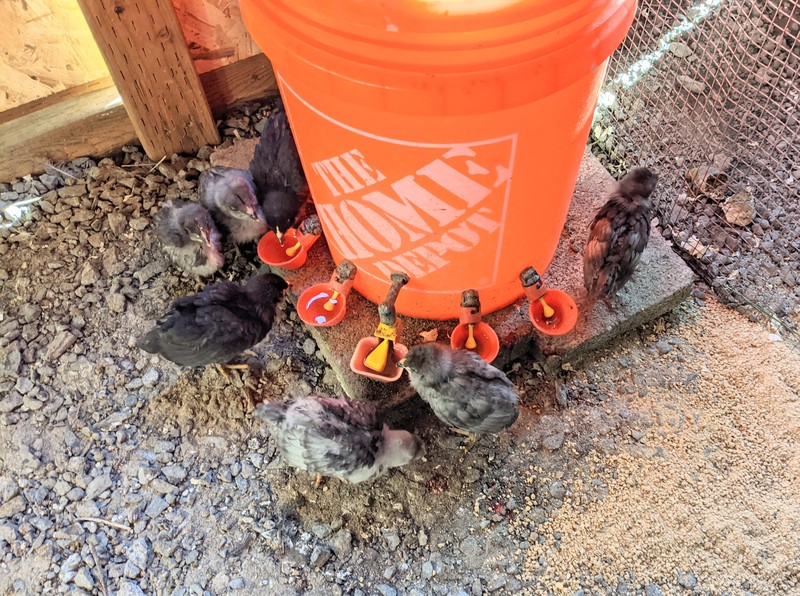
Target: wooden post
(146,53)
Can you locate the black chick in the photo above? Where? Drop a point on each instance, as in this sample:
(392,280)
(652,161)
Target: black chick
(278,174)
(230,196)
(216,324)
(189,237)
(338,438)
(618,235)
(463,390)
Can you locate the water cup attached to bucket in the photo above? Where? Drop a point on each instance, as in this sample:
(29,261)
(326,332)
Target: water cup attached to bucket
(325,304)
(291,251)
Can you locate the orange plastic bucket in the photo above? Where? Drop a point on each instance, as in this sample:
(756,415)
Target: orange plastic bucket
(441,138)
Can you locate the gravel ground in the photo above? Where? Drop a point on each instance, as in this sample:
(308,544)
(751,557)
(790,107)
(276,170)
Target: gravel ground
(673,467)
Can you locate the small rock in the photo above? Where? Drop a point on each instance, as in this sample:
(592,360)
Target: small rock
(84,580)
(553,442)
(687,579)
(681,50)
(321,531)
(69,565)
(24,385)
(422,537)
(427,570)
(174,473)
(392,539)
(309,346)
(149,271)
(386,590)
(470,547)
(31,403)
(237,583)
(652,590)
(497,582)
(8,534)
(98,485)
(139,224)
(131,570)
(76,190)
(156,507)
(557,490)
(663,347)
(62,487)
(89,275)
(76,494)
(691,85)
(117,222)
(163,487)
(637,434)
(116,302)
(62,342)
(11,363)
(10,402)
(12,506)
(129,588)
(220,582)
(140,552)
(150,377)
(319,556)
(342,543)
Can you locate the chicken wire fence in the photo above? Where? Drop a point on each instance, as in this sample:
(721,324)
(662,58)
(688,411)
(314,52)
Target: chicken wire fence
(706,93)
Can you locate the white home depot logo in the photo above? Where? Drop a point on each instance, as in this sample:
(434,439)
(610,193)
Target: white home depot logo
(425,208)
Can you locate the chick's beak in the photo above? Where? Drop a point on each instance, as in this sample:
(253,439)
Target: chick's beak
(279,234)
(206,235)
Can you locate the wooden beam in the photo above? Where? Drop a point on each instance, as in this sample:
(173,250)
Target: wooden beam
(73,125)
(55,99)
(246,80)
(88,120)
(146,54)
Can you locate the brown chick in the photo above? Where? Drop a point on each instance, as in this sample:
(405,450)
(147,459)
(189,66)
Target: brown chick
(618,235)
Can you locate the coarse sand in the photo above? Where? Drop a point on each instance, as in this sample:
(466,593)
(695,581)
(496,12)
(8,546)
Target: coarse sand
(711,486)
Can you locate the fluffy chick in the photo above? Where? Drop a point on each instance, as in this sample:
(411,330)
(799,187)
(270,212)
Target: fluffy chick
(189,237)
(462,389)
(278,174)
(216,324)
(230,196)
(338,438)
(618,235)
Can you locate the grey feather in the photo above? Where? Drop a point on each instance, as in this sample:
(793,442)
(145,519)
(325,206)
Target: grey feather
(338,438)
(462,389)
(278,173)
(618,234)
(216,324)
(189,237)
(230,196)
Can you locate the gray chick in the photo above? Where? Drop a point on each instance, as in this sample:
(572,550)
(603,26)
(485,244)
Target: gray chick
(189,237)
(618,235)
(335,437)
(230,196)
(278,173)
(463,390)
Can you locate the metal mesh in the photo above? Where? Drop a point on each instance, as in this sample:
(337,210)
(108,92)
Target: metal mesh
(707,94)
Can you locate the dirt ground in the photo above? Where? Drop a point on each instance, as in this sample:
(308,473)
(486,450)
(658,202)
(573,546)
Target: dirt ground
(673,468)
